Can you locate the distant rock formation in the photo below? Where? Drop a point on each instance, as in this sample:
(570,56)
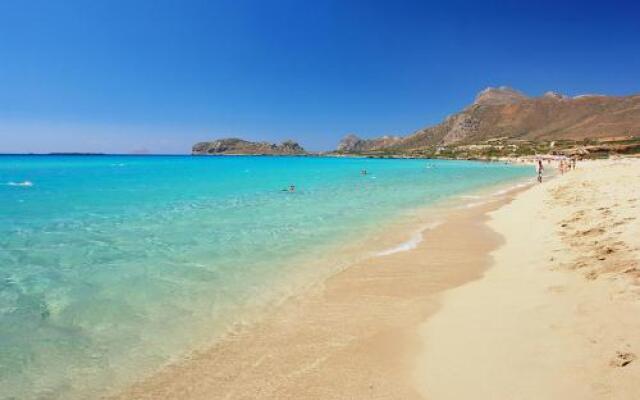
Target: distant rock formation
(555,95)
(499,96)
(353,144)
(506,113)
(235,146)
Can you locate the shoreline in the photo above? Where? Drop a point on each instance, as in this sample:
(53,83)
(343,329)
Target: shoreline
(533,294)
(265,346)
(170,337)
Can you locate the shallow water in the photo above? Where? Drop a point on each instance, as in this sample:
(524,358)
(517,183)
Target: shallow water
(111,266)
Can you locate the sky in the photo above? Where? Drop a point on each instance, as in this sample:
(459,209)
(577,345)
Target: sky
(158,75)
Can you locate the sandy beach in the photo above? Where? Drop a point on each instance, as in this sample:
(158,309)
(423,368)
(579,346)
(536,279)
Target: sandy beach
(330,200)
(557,316)
(531,294)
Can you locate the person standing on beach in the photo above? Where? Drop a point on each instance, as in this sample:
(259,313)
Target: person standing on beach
(539,169)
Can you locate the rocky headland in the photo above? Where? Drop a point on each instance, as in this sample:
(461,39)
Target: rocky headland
(235,146)
(505,122)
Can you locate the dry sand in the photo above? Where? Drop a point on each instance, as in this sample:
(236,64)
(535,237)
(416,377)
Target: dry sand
(557,316)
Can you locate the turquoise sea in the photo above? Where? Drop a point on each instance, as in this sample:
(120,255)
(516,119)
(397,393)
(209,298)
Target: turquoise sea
(111,266)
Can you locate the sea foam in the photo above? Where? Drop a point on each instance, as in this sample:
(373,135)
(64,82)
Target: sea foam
(413,241)
(23,184)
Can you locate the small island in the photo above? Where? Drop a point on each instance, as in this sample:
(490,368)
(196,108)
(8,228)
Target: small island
(235,146)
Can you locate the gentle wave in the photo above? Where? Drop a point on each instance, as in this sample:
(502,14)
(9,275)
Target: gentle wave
(475,204)
(511,188)
(23,184)
(488,198)
(410,244)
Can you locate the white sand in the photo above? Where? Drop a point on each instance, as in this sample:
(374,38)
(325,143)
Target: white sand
(558,314)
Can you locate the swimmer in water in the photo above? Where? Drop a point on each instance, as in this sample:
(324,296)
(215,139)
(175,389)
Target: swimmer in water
(292,188)
(363,172)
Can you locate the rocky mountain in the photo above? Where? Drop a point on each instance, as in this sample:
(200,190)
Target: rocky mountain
(235,146)
(354,144)
(511,115)
(499,96)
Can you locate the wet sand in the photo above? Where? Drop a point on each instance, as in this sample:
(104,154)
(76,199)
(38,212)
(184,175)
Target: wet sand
(355,336)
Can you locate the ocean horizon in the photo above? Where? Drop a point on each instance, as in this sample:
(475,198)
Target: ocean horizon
(113,266)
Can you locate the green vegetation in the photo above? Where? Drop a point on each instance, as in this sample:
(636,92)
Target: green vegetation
(501,148)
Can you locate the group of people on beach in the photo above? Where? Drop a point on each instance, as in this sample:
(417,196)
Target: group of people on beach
(564,165)
(567,165)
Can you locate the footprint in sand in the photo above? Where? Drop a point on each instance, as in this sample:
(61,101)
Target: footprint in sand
(580,264)
(622,359)
(591,275)
(608,250)
(556,289)
(590,232)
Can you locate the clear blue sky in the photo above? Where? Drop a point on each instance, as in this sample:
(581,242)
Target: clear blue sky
(118,76)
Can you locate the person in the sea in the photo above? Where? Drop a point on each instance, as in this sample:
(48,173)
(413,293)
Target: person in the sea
(292,188)
(539,169)
(363,172)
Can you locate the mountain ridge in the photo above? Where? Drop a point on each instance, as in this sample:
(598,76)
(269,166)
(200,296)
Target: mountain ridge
(509,114)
